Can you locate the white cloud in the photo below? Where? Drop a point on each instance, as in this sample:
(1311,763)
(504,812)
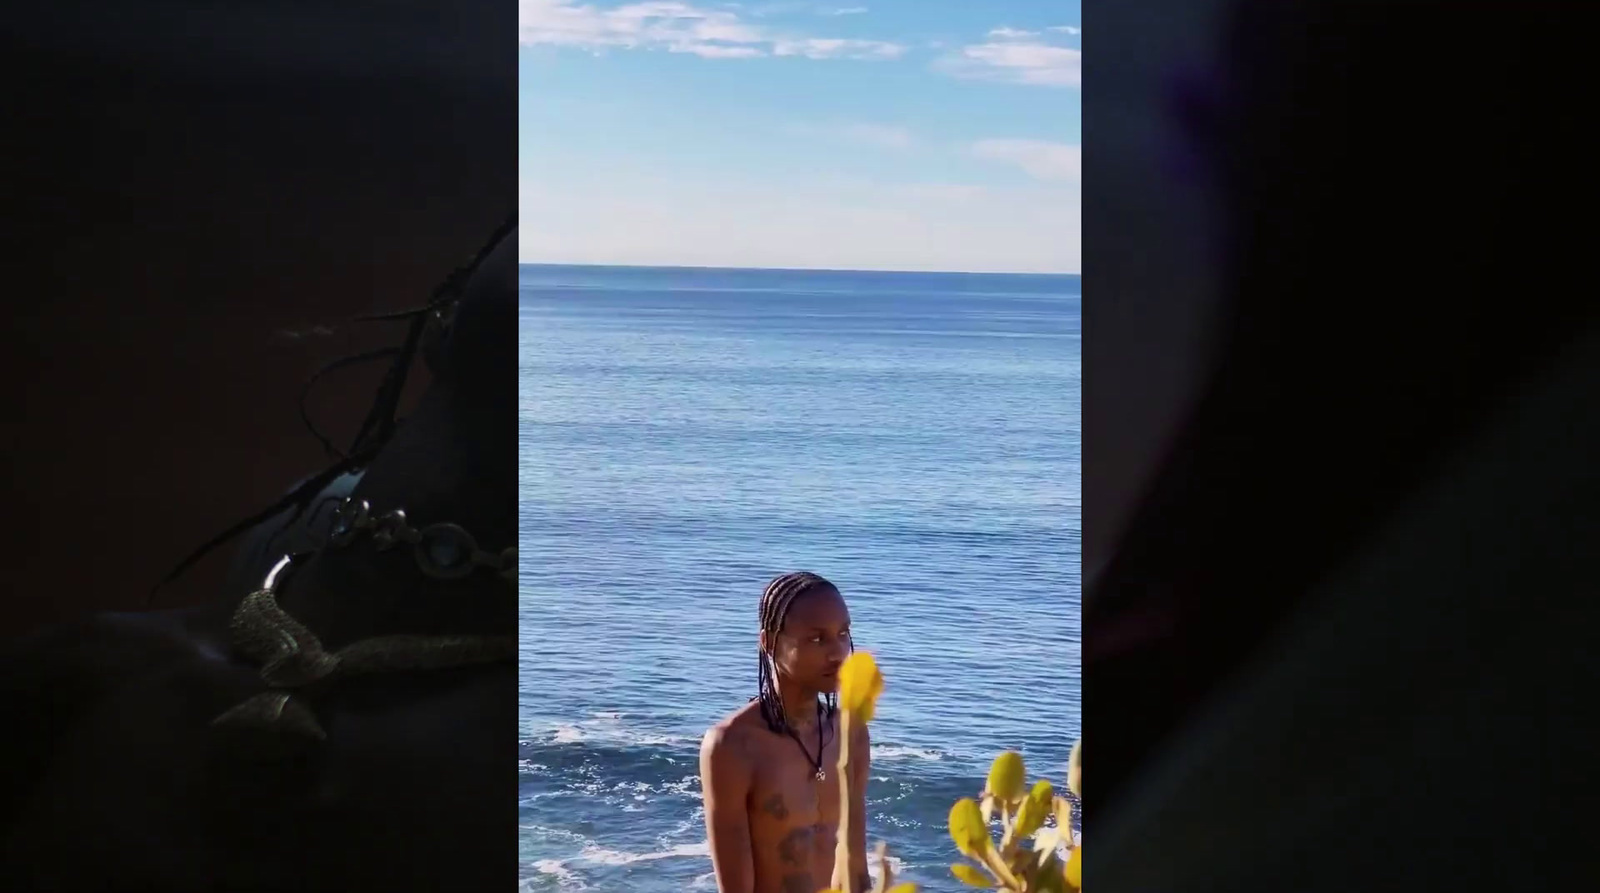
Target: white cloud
(1050,162)
(677,27)
(1067,29)
(822,223)
(765,10)
(792,7)
(1021,57)
(837,48)
(717,51)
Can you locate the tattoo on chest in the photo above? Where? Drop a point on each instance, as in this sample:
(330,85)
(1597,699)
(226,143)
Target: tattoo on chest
(796,847)
(775,807)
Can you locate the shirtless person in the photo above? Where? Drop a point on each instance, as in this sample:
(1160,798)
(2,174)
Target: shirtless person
(768,771)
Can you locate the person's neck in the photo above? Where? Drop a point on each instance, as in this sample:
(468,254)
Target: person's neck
(799,705)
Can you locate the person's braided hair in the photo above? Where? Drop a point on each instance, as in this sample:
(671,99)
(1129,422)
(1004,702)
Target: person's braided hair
(779,596)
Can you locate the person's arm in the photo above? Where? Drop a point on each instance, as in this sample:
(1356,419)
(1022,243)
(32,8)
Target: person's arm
(725,789)
(860,766)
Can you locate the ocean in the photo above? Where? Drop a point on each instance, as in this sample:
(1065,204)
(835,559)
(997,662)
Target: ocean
(688,434)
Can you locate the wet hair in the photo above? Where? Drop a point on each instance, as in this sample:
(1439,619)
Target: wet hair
(776,600)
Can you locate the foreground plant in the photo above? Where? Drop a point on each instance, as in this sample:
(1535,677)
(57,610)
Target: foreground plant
(860,684)
(1023,812)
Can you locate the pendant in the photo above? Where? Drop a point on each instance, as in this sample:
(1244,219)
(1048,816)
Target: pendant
(822,775)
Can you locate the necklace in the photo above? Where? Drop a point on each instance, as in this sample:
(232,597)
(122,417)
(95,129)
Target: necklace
(819,773)
(442,551)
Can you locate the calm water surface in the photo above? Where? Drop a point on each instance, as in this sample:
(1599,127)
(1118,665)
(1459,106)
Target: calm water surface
(688,434)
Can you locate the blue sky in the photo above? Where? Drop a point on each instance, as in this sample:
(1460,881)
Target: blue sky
(885,134)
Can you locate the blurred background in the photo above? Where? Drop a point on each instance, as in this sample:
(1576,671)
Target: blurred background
(200,197)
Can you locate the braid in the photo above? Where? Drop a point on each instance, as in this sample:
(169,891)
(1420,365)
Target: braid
(776,600)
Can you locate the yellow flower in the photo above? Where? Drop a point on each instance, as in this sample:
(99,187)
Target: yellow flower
(1074,870)
(860,684)
(970,876)
(1007,777)
(1035,809)
(967,828)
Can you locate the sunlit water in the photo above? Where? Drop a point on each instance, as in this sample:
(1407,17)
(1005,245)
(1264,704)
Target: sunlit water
(685,436)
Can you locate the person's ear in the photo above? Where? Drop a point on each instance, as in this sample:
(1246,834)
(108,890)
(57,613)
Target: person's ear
(764,643)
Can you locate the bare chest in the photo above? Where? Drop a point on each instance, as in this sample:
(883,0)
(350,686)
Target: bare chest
(794,818)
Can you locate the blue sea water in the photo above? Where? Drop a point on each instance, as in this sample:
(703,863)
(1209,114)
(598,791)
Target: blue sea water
(688,434)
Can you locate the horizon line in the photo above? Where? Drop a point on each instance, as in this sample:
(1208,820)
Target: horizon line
(529,263)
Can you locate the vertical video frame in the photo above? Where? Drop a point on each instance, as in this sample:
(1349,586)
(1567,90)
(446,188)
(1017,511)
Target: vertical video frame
(799,440)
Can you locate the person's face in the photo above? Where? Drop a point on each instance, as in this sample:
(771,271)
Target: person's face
(814,641)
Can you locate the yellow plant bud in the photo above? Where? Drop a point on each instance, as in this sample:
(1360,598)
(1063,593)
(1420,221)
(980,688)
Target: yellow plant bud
(967,828)
(860,684)
(1035,809)
(1007,776)
(970,876)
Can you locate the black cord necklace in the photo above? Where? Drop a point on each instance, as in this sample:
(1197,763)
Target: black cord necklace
(815,761)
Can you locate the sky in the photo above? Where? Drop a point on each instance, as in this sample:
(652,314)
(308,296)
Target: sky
(884,135)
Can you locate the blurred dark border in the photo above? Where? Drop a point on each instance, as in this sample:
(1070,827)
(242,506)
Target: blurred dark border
(1339,496)
(197,194)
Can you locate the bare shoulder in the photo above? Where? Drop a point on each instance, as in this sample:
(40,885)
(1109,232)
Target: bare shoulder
(733,737)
